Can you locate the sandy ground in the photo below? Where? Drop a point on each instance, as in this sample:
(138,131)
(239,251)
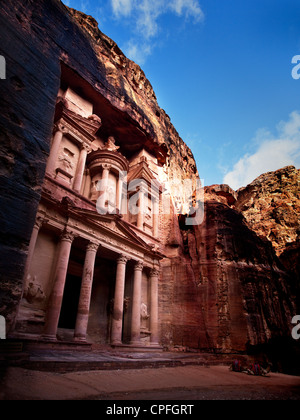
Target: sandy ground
(179,383)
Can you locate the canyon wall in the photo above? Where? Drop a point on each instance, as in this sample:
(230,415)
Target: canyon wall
(228,284)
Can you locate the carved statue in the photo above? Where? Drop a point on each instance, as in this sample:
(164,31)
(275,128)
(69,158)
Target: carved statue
(178,204)
(144,312)
(111,145)
(34,293)
(94,193)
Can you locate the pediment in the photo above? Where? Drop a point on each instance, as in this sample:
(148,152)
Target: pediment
(88,124)
(112,225)
(143,172)
(88,127)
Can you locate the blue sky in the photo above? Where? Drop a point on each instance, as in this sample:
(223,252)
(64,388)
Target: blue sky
(222,70)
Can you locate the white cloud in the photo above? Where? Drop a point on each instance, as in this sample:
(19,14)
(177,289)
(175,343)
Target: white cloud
(190,8)
(145,13)
(143,18)
(138,52)
(84,5)
(273,152)
(122,7)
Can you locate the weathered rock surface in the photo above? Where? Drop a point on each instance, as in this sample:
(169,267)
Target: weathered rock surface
(246,297)
(271,206)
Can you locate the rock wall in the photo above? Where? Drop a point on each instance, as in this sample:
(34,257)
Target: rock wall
(222,286)
(271,206)
(247,300)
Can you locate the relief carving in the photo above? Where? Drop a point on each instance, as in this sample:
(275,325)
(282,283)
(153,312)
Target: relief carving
(66,160)
(33,293)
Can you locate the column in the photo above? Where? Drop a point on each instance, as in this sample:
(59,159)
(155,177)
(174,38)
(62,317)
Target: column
(38,223)
(85,293)
(117,321)
(51,164)
(87,186)
(154,276)
(119,193)
(156,218)
(136,304)
(80,168)
(55,302)
(140,217)
(103,186)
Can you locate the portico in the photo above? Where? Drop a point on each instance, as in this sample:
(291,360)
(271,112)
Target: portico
(107,259)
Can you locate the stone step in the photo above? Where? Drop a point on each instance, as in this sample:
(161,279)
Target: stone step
(95,361)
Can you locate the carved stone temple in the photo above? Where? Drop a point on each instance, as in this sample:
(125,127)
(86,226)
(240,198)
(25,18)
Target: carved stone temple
(93,264)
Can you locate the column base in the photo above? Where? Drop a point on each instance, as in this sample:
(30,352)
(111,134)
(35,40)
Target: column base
(80,340)
(155,344)
(49,338)
(116,343)
(136,344)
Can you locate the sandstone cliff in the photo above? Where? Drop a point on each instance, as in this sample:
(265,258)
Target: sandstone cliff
(246,290)
(222,286)
(271,206)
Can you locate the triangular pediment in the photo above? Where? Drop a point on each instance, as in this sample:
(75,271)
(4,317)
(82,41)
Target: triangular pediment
(143,172)
(88,124)
(88,127)
(112,224)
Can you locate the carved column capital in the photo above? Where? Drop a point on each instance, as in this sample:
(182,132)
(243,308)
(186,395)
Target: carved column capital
(86,147)
(155,272)
(60,126)
(139,266)
(122,259)
(106,166)
(93,246)
(67,236)
(39,222)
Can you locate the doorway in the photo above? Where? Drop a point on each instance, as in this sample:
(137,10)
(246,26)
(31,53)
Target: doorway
(70,302)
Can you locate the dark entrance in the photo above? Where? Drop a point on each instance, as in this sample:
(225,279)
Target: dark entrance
(70,303)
